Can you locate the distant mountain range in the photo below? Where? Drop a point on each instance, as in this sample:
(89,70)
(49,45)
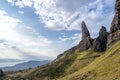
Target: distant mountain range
(25,65)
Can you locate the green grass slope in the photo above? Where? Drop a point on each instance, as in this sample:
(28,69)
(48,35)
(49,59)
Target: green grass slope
(105,67)
(86,65)
(64,65)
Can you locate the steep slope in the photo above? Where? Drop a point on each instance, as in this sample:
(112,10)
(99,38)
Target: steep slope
(60,68)
(106,67)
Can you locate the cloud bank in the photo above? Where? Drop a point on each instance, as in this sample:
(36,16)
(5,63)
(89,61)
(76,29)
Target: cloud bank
(18,41)
(68,14)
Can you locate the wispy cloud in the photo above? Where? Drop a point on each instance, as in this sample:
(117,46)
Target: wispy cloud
(75,38)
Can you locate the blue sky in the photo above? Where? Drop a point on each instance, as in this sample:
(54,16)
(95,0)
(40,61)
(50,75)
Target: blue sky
(42,29)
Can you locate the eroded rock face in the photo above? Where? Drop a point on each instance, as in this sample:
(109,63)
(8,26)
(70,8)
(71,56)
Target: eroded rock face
(86,41)
(100,43)
(115,25)
(85,44)
(114,34)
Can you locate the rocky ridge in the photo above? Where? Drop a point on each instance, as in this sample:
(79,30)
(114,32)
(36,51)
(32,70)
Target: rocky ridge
(98,44)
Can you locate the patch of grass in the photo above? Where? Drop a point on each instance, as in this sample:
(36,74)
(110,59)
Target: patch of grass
(82,60)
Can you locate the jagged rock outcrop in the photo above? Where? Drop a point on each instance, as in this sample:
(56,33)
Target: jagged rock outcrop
(86,41)
(114,34)
(100,43)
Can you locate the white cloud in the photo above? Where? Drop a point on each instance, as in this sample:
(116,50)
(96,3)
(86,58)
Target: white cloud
(15,35)
(51,25)
(14,30)
(76,38)
(7,27)
(60,14)
(11,1)
(23,3)
(19,3)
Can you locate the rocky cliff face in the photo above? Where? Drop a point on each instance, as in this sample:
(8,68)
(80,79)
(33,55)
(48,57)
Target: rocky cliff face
(115,25)
(114,33)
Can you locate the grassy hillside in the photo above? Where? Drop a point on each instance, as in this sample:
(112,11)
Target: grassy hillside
(86,65)
(106,67)
(64,65)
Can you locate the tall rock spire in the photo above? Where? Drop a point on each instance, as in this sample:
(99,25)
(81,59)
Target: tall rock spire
(114,34)
(86,41)
(85,32)
(100,43)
